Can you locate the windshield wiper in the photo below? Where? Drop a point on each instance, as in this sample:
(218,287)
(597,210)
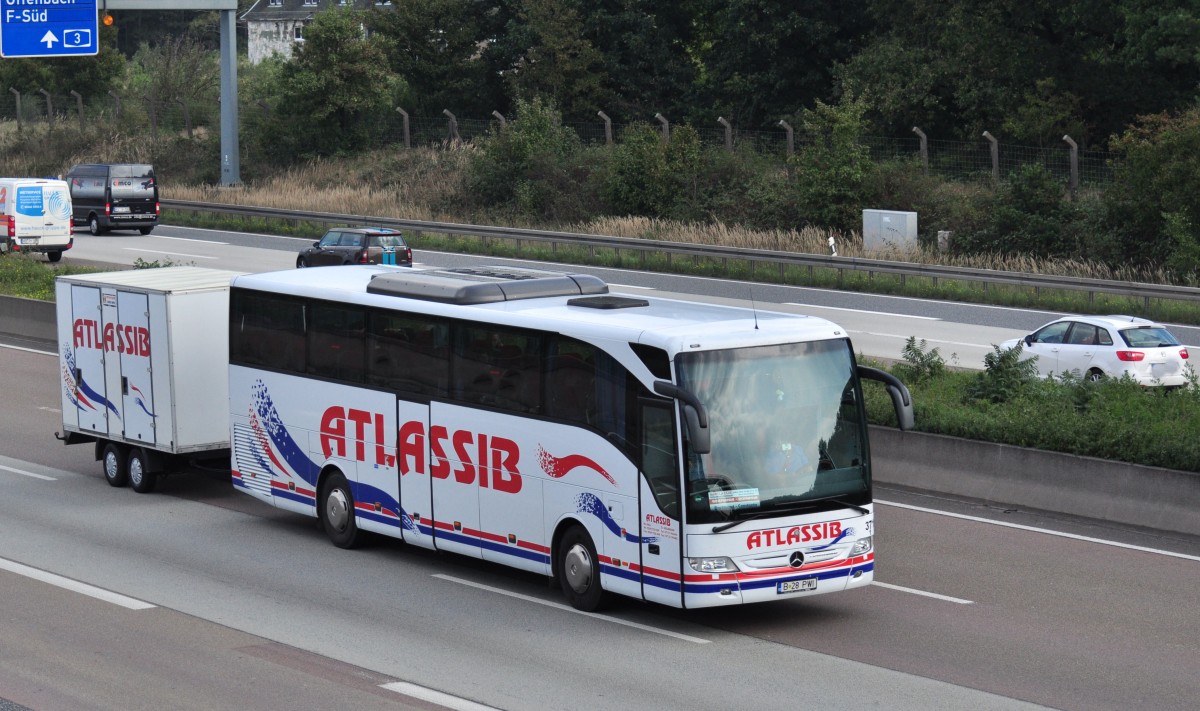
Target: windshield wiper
(797,506)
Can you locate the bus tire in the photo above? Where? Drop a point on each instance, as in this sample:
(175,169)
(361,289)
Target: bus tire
(113,460)
(94,225)
(54,256)
(141,479)
(336,510)
(578,570)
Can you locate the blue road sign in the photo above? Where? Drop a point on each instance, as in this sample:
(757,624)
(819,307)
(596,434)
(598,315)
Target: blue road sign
(48,28)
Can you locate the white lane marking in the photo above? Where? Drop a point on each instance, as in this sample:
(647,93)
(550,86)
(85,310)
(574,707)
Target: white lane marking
(923,338)
(930,301)
(27,350)
(435,697)
(173,254)
(947,598)
(568,608)
(49,409)
(860,311)
(632,286)
(31,475)
(74,585)
(1049,532)
(189,239)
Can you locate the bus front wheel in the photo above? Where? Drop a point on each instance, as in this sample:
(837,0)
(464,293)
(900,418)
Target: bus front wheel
(579,570)
(337,512)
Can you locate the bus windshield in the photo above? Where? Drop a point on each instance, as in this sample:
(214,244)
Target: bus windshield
(787,429)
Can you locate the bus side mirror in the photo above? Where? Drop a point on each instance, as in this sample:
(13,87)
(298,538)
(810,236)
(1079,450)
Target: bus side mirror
(901,399)
(694,415)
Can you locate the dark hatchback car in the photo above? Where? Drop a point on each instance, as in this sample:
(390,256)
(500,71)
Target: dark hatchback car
(357,245)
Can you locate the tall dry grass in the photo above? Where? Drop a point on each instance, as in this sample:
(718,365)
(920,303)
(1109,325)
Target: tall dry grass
(413,184)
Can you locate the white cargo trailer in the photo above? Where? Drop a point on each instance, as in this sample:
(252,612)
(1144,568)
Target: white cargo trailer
(143,360)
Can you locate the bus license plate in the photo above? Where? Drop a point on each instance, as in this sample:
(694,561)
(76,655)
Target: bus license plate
(791,586)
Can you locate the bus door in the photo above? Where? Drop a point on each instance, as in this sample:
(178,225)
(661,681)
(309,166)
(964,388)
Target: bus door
(84,385)
(416,493)
(661,504)
(133,349)
(453,453)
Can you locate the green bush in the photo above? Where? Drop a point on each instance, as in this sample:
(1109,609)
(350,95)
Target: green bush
(1111,419)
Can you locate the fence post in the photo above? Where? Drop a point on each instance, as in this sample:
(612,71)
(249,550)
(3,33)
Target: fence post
(452,136)
(607,127)
(49,107)
(924,150)
(791,143)
(1074,184)
(187,116)
(79,106)
(153,117)
(995,155)
(728,133)
(666,127)
(117,98)
(500,117)
(18,95)
(404,116)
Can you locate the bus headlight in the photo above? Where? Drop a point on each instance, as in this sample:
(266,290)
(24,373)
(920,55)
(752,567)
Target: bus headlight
(861,546)
(712,565)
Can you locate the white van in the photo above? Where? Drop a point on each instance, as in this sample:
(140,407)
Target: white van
(36,216)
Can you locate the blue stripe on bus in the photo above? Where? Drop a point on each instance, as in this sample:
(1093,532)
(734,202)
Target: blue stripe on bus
(293,496)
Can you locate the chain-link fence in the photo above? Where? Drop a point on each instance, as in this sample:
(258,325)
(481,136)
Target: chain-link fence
(949,159)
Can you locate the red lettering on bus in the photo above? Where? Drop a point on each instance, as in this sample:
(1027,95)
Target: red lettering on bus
(490,462)
(335,432)
(795,534)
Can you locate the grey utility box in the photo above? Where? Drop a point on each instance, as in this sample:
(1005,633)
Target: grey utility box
(889,229)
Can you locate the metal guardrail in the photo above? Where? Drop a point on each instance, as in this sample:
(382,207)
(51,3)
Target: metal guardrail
(781,259)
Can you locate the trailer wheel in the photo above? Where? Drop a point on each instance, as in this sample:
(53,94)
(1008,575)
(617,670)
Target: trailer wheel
(142,480)
(579,570)
(337,512)
(115,471)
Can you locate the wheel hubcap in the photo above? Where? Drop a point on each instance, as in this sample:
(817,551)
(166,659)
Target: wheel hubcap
(110,465)
(135,471)
(578,568)
(337,509)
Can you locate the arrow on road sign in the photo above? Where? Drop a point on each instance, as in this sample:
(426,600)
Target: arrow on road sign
(48,39)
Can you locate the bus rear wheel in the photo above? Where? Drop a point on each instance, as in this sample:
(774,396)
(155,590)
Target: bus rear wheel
(113,459)
(336,509)
(578,570)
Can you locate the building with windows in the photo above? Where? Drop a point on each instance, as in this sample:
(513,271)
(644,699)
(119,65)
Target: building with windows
(275,26)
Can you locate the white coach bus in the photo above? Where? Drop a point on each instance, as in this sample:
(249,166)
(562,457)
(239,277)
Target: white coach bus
(684,453)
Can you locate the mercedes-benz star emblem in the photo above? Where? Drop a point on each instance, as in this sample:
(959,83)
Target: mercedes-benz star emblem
(796,560)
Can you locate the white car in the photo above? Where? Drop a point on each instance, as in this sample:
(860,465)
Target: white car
(1097,347)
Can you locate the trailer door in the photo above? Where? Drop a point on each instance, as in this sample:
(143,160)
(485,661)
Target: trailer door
(84,363)
(132,343)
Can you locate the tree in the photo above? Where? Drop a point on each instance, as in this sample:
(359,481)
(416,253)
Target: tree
(337,86)
(435,47)
(764,59)
(832,171)
(176,68)
(1152,202)
(558,63)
